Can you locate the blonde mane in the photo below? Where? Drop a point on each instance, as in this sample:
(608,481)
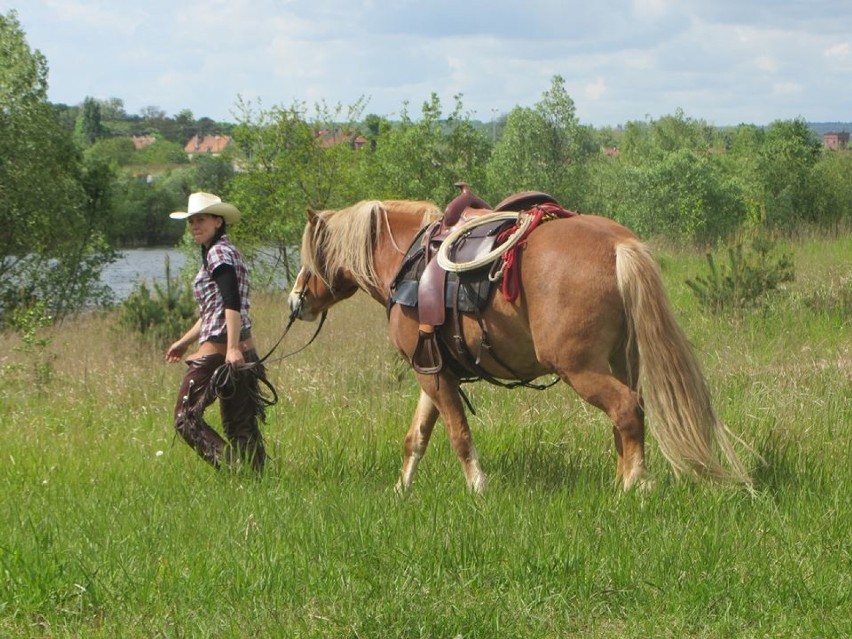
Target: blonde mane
(344,239)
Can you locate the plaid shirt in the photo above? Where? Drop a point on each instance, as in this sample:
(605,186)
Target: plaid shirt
(210,302)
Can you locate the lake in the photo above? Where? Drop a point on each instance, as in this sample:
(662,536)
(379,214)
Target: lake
(135,265)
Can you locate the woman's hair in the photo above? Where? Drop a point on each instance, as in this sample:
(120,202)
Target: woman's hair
(221,230)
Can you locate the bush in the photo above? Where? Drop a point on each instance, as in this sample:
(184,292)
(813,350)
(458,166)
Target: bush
(163,315)
(746,282)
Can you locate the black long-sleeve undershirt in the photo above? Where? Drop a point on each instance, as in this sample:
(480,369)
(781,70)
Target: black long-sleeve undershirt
(225,276)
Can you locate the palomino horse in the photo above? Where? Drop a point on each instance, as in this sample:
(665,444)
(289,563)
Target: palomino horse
(591,309)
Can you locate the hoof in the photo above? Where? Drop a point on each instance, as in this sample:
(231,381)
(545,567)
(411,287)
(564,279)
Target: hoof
(478,484)
(401,490)
(640,482)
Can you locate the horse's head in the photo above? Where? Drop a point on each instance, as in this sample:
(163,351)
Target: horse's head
(320,283)
(354,248)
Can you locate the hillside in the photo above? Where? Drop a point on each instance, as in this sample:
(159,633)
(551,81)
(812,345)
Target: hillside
(821,128)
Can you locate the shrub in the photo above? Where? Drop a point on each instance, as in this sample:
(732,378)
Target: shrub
(163,315)
(29,323)
(747,280)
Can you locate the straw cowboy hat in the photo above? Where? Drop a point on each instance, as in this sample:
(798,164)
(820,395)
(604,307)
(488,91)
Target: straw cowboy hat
(210,204)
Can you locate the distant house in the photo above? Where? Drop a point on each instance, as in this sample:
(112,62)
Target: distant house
(337,136)
(212,144)
(141,141)
(836,141)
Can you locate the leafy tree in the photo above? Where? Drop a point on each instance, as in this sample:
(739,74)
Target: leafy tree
(89,128)
(162,152)
(424,159)
(152,113)
(681,195)
(119,151)
(67,116)
(743,165)
(112,109)
(655,138)
(185,125)
(52,246)
(831,186)
(787,156)
(675,132)
(212,174)
(539,147)
(375,126)
(287,165)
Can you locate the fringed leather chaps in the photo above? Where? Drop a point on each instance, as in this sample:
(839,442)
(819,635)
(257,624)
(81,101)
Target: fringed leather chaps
(240,405)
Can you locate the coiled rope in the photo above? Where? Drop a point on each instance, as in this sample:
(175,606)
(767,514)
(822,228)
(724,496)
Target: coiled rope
(522,221)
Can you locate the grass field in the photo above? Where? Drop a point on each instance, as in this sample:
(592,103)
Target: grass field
(110,527)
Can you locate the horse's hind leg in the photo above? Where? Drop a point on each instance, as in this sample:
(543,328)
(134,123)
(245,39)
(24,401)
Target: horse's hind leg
(416,440)
(622,406)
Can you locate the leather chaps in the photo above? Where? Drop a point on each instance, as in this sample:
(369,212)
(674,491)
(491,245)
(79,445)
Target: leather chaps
(240,406)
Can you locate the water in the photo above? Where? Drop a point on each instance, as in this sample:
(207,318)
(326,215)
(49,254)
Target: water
(136,265)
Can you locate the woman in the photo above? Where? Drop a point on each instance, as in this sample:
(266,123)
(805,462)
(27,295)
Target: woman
(226,364)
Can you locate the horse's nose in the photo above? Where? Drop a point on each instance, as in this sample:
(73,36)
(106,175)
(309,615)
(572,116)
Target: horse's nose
(298,308)
(293,301)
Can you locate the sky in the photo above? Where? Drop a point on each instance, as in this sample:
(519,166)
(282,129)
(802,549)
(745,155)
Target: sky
(722,61)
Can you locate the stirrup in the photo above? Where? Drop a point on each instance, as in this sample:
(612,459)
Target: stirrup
(427,358)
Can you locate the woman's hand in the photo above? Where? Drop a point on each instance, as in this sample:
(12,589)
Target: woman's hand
(234,356)
(175,352)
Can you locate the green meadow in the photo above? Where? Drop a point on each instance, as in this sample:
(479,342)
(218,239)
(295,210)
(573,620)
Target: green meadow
(112,527)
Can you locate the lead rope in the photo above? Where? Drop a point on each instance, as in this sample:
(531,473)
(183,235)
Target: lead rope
(224,379)
(294,315)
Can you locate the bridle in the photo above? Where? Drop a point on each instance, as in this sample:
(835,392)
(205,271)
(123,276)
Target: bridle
(294,315)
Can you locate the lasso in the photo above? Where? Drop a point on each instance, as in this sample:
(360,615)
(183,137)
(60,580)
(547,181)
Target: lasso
(523,221)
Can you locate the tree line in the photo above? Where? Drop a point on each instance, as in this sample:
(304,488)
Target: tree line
(76,189)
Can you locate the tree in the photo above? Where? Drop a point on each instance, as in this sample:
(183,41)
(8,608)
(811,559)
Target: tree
(89,128)
(375,126)
(152,113)
(681,195)
(212,174)
(832,190)
(46,214)
(162,152)
(120,150)
(789,153)
(112,109)
(540,147)
(185,126)
(288,164)
(424,159)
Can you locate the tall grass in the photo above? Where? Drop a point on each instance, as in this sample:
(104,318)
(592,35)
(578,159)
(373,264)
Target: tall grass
(109,527)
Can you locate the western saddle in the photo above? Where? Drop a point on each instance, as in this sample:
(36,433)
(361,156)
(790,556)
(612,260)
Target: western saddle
(434,297)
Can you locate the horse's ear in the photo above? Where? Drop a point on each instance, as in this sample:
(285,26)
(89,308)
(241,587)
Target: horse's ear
(312,216)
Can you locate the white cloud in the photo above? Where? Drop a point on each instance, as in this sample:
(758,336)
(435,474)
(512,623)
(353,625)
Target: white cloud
(650,9)
(595,90)
(103,16)
(839,58)
(840,50)
(724,61)
(766,63)
(786,88)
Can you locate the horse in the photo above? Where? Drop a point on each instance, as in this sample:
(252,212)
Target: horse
(591,309)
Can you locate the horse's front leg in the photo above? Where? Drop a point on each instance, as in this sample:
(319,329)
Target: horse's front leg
(444,393)
(416,440)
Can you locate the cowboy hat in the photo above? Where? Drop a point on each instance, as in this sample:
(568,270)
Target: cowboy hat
(211,205)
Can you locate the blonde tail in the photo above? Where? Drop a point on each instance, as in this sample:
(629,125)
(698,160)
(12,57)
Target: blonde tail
(675,393)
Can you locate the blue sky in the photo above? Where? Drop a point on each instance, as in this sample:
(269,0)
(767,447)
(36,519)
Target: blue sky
(723,61)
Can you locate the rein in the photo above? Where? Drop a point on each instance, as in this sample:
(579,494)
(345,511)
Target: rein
(294,315)
(224,378)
